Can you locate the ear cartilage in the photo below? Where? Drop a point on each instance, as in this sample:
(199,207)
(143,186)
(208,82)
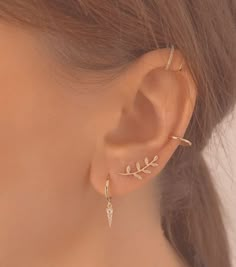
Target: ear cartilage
(141,170)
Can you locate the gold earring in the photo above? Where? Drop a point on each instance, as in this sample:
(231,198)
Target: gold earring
(181,66)
(170,59)
(141,170)
(183,141)
(172,50)
(109,208)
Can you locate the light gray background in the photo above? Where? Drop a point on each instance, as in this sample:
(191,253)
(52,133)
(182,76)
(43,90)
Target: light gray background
(221,158)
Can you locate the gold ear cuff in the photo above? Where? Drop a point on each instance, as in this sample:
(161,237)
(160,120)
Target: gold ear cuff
(170,59)
(182,141)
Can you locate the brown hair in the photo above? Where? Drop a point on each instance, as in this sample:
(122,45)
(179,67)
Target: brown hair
(106,36)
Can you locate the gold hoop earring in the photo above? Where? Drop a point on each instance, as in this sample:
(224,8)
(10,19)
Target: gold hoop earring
(181,66)
(183,141)
(170,59)
(109,208)
(172,50)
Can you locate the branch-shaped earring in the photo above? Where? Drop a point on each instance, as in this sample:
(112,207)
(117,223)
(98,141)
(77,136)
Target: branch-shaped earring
(141,170)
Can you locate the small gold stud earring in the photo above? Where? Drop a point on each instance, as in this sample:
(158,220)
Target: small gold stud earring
(183,141)
(139,169)
(109,208)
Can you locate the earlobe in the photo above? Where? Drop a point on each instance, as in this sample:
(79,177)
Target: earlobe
(160,106)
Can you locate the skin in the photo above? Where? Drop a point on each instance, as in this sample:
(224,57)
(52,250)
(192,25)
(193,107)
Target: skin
(61,137)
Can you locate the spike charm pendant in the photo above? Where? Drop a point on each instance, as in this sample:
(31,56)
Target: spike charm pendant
(141,170)
(109,210)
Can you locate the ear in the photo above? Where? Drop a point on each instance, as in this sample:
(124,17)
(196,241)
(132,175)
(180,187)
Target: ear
(156,103)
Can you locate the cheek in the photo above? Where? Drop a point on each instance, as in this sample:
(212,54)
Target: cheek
(39,125)
(42,129)
(45,148)
(45,151)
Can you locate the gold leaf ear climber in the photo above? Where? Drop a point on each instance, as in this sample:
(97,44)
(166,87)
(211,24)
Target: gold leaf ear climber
(139,169)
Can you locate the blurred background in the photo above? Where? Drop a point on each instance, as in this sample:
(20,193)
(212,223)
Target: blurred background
(221,158)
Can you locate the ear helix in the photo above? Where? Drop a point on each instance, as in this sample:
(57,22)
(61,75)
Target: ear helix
(182,141)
